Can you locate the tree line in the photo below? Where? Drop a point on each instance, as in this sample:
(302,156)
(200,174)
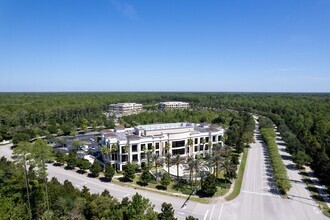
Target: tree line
(303,119)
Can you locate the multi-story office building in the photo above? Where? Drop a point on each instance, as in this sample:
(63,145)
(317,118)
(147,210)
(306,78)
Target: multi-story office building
(132,144)
(124,109)
(173,105)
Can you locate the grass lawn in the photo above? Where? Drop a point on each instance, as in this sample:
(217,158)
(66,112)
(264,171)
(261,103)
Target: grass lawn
(153,186)
(312,189)
(238,182)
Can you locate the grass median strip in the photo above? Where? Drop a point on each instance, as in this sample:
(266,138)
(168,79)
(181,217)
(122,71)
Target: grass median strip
(238,182)
(280,174)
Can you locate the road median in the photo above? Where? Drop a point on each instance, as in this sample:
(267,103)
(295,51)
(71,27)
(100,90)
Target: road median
(239,180)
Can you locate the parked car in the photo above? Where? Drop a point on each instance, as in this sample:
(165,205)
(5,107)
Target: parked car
(84,148)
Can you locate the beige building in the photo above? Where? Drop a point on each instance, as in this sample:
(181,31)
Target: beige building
(133,143)
(173,105)
(124,109)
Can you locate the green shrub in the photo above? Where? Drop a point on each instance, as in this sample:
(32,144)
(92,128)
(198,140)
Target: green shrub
(280,174)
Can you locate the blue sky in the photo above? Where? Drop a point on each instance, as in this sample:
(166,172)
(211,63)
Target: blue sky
(165,45)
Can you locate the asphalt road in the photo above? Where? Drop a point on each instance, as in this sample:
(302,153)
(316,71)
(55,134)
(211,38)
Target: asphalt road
(258,199)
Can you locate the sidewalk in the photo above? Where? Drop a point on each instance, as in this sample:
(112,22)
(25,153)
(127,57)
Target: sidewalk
(320,188)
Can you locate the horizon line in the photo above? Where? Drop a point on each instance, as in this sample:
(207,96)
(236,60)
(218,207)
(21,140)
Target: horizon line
(267,92)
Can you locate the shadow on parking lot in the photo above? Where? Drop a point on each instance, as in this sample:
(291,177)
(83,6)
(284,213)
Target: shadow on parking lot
(286,157)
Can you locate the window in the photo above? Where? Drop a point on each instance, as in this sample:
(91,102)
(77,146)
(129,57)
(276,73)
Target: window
(123,149)
(201,140)
(196,148)
(196,140)
(207,139)
(177,144)
(134,148)
(178,151)
(201,147)
(157,145)
(214,138)
(124,158)
(143,146)
(206,147)
(135,157)
(143,156)
(114,157)
(149,146)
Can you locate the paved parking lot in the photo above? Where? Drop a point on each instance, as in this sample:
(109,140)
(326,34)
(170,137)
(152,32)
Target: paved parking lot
(89,139)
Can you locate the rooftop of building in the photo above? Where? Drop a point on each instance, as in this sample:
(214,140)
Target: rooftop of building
(125,104)
(123,134)
(165,126)
(173,102)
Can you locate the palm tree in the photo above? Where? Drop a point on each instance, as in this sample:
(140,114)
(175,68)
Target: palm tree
(114,147)
(168,157)
(216,162)
(158,162)
(20,153)
(197,166)
(149,157)
(225,151)
(167,147)
(210,146)
(191,166)
(126,150)
(106,151)
(190,144)
(229,169)
(177,160)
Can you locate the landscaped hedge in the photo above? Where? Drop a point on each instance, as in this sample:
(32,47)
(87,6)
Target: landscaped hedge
(281,177)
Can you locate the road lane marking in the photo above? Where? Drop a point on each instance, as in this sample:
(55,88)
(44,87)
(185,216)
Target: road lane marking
(261,194)
(205,216)
(220,212)
(211,212)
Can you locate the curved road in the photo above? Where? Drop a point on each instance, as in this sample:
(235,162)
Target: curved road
(258,199)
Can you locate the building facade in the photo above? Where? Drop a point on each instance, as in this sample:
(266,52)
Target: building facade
(124,109)
(173,105)
(132,144)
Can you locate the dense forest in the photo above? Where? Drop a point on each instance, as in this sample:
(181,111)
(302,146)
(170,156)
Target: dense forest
(65,201)
(302,119)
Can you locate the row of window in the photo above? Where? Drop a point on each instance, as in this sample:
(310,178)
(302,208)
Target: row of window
(175,144)
(135,158)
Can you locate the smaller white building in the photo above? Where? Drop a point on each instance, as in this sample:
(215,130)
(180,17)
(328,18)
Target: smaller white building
(173,105)
(124,109)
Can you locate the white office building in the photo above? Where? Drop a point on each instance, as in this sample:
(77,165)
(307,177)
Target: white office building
(131,144)
(124,109)
(173,105)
